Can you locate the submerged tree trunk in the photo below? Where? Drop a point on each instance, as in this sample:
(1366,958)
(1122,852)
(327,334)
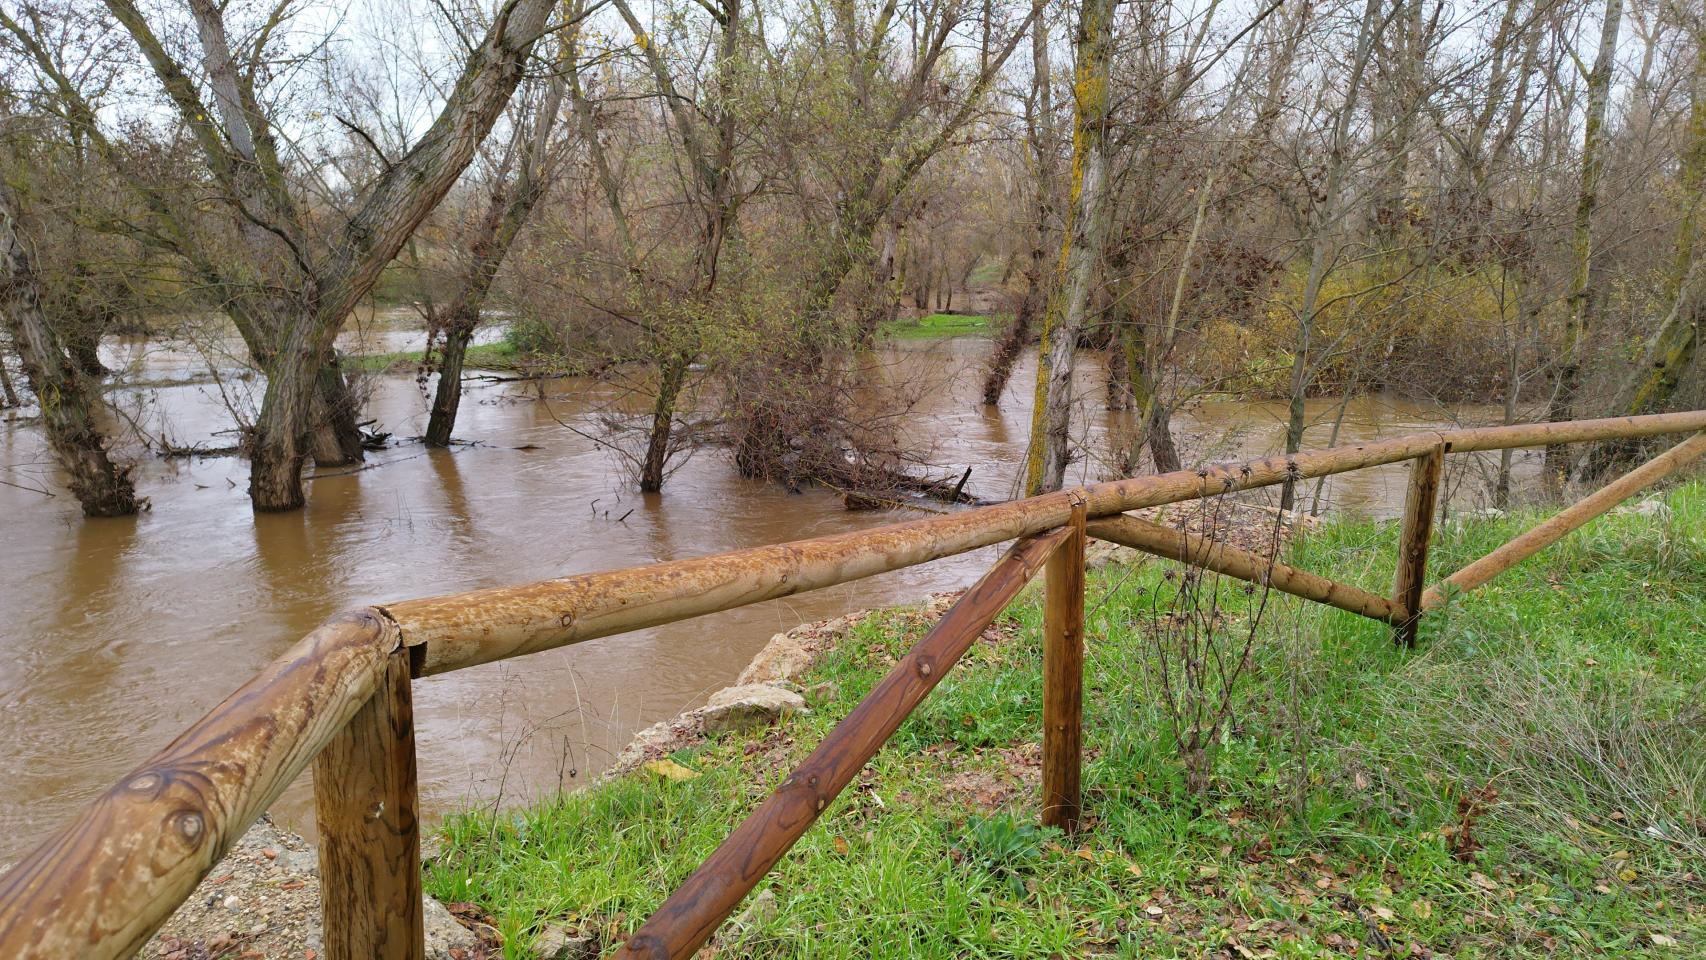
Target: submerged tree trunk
(1586,280)
(672,375)
(507,211)
(10,392)
(83,345)
(1085,234)
(389,211)
(447,397)
(1016,337)
(336,439)
(1513,381)
(66,396)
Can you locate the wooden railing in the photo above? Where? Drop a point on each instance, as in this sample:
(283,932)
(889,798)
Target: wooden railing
(340,698)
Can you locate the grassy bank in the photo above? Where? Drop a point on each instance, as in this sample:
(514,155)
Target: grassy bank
(1528,782)
(498,355)
(937,325)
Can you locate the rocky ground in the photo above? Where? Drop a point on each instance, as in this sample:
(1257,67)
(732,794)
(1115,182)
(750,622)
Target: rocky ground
(262,902)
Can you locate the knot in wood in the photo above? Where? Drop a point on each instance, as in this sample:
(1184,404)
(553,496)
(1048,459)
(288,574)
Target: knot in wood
(190,825)
(148,783)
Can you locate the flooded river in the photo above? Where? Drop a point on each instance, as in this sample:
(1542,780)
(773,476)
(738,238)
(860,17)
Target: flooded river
(116,634)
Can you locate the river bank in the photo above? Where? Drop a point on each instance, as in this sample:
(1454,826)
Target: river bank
(1526,783)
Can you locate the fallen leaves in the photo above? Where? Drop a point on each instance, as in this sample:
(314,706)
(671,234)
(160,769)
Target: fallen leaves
(669,769)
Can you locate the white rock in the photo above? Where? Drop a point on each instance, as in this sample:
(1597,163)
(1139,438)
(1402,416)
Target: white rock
(763,908)
(1650,507)
(443,933)
(748,707)
(559,943)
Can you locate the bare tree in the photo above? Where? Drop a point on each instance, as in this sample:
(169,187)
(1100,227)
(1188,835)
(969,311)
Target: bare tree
(521,178)
(1085,233)
(67,398)
(288,279)
(1588,263)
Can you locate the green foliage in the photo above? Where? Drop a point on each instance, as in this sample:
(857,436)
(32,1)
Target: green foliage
(938,325)
(1007,848)
(1380,315)
(527,334)
(502,355)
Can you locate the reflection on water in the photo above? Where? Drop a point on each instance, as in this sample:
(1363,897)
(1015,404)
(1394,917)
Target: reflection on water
(119,633)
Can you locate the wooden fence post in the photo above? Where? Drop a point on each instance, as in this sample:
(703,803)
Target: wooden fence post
(1063,676)
(1413,543)
(370,844)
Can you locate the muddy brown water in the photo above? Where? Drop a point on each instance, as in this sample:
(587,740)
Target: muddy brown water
(117,634)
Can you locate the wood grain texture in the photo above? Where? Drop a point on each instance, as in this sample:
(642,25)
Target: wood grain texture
(1221,557)
(102,885)
(1063,678)
(1420,501)
(1556,527)
(370,841)
(694,911)
(482,626)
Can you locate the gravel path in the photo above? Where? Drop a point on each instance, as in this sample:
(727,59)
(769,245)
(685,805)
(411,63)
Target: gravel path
(262,902)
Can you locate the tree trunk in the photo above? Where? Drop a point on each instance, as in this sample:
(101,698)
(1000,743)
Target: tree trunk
(337,433)
(1671,348)
(1081,251)
(10,392)
(83,344)
(671,377)
(1664,357)
(1585,285)
(389,211)
(447,398)
(1040,132)
(66,397)
(1513,381)
(1162,448)
(1326,218)
(1017,335)
(278,441)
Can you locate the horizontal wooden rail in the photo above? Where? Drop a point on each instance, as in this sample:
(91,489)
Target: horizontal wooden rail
(1557,526)
(482,626)
(1153,538)
(100,886)
(691,914)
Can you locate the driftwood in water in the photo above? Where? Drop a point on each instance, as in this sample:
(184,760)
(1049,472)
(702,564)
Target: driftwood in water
(895,484)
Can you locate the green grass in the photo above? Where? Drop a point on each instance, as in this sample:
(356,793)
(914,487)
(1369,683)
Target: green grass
(498,355)
(938,325)
(1567,695)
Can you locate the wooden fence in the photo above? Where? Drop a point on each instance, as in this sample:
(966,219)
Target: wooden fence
(340,698)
